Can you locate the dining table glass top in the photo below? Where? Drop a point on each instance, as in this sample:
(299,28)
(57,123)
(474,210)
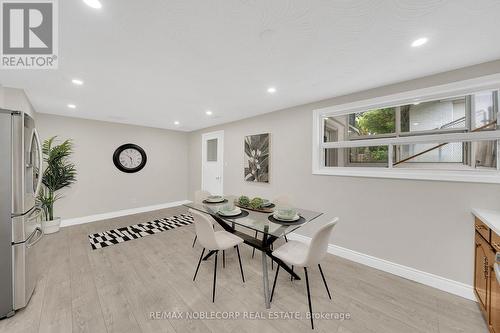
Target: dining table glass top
(257,221)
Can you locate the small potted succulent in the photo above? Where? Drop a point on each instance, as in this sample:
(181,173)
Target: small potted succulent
(244,201)
(256,203)
(59,173)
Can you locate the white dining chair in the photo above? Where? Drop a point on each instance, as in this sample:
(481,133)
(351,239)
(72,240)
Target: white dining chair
(212,240)
(306,255)
(199,196)
(282,200)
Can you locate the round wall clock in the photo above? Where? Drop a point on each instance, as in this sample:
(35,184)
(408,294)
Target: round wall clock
(129,158)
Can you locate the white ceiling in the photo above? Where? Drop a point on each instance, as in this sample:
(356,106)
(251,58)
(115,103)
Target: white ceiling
(153,62)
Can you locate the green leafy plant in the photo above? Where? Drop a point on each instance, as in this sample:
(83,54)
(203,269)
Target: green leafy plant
(244,200)
(256,203)
(59,173)
(379,121)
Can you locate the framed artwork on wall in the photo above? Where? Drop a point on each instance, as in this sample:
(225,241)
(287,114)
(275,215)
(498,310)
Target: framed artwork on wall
(256,162)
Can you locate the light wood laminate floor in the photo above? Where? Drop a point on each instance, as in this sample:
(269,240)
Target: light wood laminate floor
(115,289)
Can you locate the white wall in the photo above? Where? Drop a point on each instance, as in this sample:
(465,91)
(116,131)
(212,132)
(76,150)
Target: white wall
(15,100)
(426,225)
(101,187)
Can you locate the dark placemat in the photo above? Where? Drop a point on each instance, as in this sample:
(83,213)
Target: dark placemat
(214,203)
(243,213)
(299,221)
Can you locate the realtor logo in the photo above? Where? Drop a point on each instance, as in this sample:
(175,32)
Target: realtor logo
(29,34)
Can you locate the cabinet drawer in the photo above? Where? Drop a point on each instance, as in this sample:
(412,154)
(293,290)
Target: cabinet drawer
(482,229)
(495,241)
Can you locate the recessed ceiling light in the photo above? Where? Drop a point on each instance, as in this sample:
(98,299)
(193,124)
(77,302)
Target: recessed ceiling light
(72,106)
(93,3)
(419,42)
(208,112)
(176,123)
(416,124)
(416,103)
(78,82)
(271,90)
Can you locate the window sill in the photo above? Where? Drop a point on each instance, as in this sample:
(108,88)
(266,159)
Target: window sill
(468,176)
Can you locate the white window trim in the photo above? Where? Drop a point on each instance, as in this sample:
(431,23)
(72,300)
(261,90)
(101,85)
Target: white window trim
(455,89)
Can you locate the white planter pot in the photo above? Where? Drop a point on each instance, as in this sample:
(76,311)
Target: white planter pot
(49,227)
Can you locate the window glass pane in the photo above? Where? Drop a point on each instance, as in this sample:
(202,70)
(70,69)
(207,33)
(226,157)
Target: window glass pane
(334,157)
(483,111)
(435,115)
(485,154)
(453,155)
(431,153)
(373,122)
(334,128)
(356,157)
(212,150)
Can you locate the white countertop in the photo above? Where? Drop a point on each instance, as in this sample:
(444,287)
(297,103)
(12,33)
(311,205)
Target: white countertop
(489,217)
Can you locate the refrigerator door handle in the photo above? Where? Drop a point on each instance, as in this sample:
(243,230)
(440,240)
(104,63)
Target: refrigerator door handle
(40,161)
(38,233)
(35,213)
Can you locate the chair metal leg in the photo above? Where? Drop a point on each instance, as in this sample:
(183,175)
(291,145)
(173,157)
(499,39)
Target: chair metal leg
(223,258)
(253,252)
(265,280)
(274,283)
(324,281)
(241,267)
(309,298)
(194,240)
(291,276)
(286,239)
(215,276)
(199,262)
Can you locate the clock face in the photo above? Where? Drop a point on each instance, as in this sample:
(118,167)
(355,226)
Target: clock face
(129,158)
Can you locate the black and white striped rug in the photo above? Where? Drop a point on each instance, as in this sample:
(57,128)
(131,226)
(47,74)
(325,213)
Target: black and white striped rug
(120,235)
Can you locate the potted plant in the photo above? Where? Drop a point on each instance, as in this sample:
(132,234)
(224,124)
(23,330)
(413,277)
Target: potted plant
(59,173)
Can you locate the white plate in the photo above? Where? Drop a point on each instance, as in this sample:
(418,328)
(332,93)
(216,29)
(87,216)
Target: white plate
(215,200)
(235,212)
(295,218)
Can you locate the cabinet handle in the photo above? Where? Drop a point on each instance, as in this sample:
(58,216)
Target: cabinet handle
(496,246)
(486,268)
(480,227)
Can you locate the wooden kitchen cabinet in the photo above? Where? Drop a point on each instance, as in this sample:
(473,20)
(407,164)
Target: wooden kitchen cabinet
(480,267)
(486,285)
(494,318)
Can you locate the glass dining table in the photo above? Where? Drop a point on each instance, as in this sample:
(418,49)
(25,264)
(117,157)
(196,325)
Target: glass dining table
(267,230)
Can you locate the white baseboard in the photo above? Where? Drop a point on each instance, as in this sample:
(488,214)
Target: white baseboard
(124,212)
(435,281)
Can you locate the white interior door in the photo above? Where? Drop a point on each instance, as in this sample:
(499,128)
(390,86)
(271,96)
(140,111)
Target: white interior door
(212,165)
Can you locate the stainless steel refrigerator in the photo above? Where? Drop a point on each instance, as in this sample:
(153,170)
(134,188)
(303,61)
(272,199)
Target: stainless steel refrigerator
(20,218)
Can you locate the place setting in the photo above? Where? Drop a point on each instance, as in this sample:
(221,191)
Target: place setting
(286,216)
(214,199)
(231,211)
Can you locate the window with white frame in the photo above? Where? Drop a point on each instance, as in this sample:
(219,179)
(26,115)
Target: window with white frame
(458,133)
